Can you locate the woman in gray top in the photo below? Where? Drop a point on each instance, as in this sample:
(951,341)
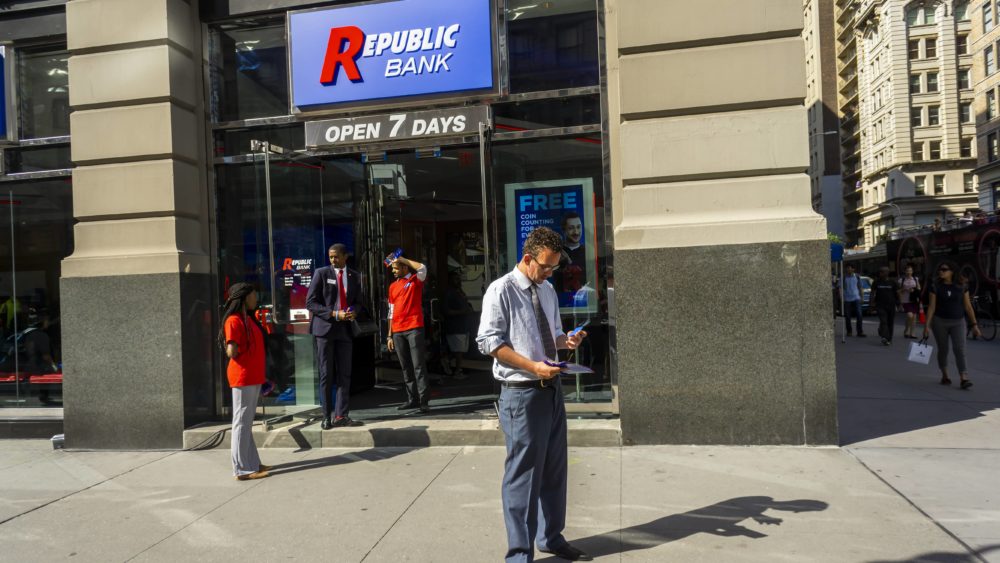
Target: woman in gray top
(949,307)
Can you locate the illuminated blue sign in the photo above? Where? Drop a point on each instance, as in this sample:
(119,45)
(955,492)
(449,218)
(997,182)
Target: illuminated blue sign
(392,49)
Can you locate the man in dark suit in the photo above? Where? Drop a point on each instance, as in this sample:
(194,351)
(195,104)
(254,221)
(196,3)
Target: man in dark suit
(334,299)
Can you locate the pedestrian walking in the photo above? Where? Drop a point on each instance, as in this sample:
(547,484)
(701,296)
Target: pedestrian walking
(853,292)
(885,301)
(909,295)
(406,329)
(335,298)
(243,340)
(521,330)
(946,317)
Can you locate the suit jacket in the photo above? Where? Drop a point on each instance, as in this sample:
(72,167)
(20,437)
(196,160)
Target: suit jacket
(322,297)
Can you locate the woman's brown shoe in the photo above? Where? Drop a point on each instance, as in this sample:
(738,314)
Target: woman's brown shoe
(254,475)
(264,467)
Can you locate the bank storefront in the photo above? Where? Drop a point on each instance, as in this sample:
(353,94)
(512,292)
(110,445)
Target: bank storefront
(446,130)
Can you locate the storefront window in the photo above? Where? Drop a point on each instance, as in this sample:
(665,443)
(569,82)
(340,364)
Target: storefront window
(36,233)
(249,70)
(552,45)
(43,93)
(559,183)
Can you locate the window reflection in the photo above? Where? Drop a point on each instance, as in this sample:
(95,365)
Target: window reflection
(43,93)
(35,235)
(552,44)
(249,70)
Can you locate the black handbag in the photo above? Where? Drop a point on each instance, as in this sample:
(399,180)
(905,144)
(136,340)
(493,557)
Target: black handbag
(363,328)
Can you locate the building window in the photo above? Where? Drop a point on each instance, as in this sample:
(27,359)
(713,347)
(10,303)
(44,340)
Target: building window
(968,183)
(916,117)
(962,44)
(933,115)
(920,185)
(938,184)
(992,148)
(932,82)
(991,104)
(43,93)
(964,79)
(918,151)
(988,16)
(935,150)
(965,147)
(914,49)
(965,112)
(914,83)
(930,48)
(991,60)
(962,11)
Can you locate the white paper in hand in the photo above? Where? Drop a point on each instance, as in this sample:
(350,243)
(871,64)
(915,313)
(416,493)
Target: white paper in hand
(920,353)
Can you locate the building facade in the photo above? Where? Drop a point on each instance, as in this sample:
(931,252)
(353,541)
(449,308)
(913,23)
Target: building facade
(912,62)
(221,141)
(822,105)
(986,49)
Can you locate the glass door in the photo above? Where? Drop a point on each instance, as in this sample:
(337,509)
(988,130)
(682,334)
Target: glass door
(293,210)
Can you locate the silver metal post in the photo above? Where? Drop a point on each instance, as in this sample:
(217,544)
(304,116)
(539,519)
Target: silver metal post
(487,259)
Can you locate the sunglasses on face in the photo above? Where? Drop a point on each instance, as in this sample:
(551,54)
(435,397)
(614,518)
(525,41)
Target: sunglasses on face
(944,269)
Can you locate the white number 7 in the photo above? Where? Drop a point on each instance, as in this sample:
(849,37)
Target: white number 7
(398,119)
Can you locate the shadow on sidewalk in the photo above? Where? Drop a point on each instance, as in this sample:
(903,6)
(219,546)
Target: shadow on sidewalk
(946,557)
(371,454)
(720,519)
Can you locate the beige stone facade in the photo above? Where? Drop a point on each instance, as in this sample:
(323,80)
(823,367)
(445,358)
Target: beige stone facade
(821,104)
(912,63)
(726,133)
(986,49)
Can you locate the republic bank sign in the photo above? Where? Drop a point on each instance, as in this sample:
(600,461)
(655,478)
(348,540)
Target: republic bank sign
(381,51)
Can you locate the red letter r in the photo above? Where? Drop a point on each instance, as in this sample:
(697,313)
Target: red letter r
(335,57)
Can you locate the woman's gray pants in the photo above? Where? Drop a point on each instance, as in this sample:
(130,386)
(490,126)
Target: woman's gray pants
(245,458)
(953,329)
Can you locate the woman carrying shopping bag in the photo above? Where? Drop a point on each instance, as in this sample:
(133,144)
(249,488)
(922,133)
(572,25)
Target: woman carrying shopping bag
(949,307)
(243,340)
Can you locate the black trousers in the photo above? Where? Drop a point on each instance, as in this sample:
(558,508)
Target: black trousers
(334,357)
(886,322)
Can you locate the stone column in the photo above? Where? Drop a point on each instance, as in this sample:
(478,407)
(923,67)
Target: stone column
(136,292)
(721,266)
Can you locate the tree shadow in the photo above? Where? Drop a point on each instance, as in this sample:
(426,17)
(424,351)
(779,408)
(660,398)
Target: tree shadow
(946,557)
(720,519)
(371,455)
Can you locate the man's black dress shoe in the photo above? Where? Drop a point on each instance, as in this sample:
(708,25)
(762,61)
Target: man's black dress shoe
(326,424)
(425,409)
(568,553)
(346,421)
(407,406)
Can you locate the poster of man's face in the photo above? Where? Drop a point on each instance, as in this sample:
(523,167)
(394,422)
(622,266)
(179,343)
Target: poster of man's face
(572,228)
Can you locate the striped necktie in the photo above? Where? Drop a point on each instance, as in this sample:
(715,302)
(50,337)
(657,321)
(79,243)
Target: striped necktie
(544,330)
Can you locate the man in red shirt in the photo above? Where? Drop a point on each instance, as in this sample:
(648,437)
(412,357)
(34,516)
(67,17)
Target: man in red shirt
(406,329)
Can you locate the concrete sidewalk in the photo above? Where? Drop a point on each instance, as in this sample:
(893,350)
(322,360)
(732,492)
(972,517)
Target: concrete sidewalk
(443,504)
(916,480)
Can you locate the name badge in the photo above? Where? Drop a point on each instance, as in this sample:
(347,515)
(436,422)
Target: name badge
(331,281)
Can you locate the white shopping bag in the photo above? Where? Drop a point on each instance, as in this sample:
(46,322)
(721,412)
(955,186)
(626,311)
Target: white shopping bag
(920,352)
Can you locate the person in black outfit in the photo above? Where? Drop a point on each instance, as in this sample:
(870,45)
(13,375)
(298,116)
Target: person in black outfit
(947,312)
(335,298)
(885,301)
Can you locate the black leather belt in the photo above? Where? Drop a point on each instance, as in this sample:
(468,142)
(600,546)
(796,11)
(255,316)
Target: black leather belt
(536,384)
